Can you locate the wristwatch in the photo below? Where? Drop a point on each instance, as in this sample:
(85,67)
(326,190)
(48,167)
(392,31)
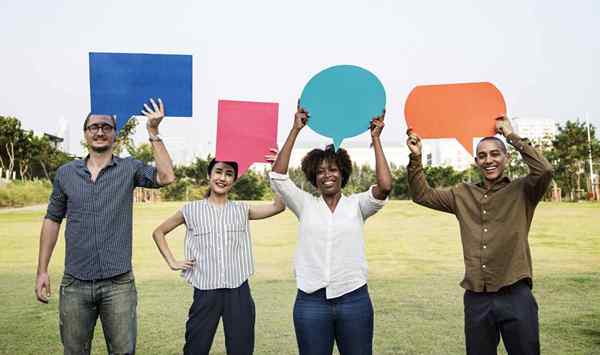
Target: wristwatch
(155,138)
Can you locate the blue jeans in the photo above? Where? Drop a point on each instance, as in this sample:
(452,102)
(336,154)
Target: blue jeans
(114,300)
(347,320)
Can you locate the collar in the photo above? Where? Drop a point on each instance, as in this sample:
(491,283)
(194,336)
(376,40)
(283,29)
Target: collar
(82,163)
(502,181)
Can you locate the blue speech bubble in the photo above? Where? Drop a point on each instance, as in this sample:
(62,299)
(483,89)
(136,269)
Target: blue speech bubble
(120,83)
(342,100)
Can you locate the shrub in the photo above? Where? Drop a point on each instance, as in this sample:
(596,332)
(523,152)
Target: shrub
(24,193)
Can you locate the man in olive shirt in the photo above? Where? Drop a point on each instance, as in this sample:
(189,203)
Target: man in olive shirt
(494,217)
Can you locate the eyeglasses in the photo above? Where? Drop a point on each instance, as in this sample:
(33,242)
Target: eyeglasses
(106,128)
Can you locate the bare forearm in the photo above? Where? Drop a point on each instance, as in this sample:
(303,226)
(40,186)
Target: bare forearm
(164,165)
(382,170)
(48,238)
(163,247)
(283,158)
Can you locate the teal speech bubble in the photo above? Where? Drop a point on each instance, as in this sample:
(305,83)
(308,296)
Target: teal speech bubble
(342,100)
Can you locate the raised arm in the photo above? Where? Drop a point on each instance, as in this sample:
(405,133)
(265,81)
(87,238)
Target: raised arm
(161,242)
(382,170)
(540,169)
(164,165)
(421,192)
(283,158)
(265,211)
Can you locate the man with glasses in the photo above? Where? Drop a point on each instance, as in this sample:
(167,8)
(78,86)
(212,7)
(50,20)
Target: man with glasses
(96,196)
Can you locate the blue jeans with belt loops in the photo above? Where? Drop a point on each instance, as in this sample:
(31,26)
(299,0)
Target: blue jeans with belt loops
(81,302)
(346,320)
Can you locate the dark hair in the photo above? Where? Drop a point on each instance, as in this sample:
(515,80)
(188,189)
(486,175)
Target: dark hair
(494,139)
(212,164)
(87,118)
(313,159)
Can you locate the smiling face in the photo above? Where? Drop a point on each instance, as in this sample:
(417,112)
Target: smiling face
(328,178)
(491,158)
(221,178)
(100,133)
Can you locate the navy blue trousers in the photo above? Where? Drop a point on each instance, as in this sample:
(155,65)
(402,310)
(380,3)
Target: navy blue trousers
(235,306)
(512,313)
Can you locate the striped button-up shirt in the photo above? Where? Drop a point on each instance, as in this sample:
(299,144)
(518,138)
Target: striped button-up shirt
(218,238)
(99,227)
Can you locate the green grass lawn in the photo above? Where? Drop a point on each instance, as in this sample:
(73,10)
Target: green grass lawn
(415,264)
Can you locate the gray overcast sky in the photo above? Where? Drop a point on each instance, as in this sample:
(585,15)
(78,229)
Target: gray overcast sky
(540,54)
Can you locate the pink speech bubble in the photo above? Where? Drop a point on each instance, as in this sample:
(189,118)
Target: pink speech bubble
(461,111)
(246,131)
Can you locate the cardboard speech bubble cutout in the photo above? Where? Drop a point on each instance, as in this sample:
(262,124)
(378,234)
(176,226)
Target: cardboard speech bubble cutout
(120,83)
(342,100)
(246,131)
(461,111)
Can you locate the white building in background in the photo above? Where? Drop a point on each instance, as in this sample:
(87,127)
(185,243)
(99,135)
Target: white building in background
(63,131)
(446,152)
(537,129)
(360,153)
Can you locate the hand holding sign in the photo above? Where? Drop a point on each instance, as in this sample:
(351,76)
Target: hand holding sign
(120,83)
(154,115)
(246,132)
(461,111)
(341,101)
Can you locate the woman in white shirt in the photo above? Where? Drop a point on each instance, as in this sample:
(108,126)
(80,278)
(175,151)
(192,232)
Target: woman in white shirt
(332,303)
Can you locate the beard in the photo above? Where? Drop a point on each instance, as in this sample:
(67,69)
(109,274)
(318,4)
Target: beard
(100,149)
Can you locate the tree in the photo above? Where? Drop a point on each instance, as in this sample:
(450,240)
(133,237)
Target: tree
(442,176)
(569,153)
(250,186)
(32,156)
(142,152)
(400,186)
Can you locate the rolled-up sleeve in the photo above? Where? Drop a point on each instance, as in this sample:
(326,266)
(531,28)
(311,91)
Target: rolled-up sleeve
(368,204)
(57,203)
(145,175)
(293,196)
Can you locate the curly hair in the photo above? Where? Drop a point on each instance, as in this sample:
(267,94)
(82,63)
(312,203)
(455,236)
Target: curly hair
(313,159)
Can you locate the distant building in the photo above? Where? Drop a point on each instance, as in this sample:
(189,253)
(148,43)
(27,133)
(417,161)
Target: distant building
(446,152)
(63,131)
(539,130)
(56,141)
(360,152)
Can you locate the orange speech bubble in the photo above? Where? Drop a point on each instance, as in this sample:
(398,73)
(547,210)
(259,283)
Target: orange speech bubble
(461,111)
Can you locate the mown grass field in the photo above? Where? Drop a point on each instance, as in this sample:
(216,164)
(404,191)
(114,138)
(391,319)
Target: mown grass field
(415,264)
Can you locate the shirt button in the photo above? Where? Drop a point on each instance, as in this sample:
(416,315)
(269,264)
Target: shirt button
(485,247)
(484,196)
(485,229)
(484,212)
(483,266)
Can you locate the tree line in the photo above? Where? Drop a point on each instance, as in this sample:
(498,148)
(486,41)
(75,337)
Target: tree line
(28,156)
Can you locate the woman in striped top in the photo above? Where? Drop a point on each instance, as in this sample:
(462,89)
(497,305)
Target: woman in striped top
(218,262)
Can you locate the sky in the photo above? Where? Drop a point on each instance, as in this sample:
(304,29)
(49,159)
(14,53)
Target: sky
(540,54)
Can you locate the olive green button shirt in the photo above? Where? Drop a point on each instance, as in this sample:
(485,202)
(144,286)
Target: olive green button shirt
(494,223)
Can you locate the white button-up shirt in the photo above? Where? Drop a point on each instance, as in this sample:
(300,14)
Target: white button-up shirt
(331,248)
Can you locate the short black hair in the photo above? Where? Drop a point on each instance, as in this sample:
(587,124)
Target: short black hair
(495,139)
(87,118)
(313,159)
(233,164)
